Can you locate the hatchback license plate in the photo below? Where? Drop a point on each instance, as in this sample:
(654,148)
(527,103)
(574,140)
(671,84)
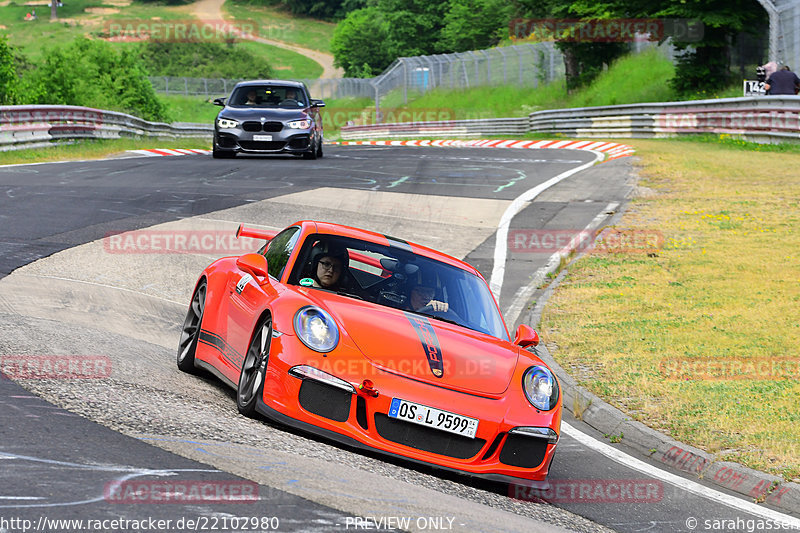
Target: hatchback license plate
(434,418)
(262,137)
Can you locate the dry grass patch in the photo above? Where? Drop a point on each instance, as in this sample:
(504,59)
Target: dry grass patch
(699,340)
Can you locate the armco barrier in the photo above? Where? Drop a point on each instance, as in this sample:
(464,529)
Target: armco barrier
(29,126)
(758,119)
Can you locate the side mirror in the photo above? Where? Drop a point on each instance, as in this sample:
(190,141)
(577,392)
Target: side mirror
(317,103)
(220,101)
(255,264)
(526,336)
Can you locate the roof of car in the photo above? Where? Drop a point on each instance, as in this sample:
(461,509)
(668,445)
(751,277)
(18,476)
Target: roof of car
(367,235)
(288,83)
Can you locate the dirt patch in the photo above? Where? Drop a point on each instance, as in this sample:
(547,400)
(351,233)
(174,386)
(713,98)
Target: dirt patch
(101,10)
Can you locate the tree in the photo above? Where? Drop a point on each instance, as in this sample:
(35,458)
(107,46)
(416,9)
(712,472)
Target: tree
(360,43)
(414,25)
(93,74)
(475,24)
(9,82)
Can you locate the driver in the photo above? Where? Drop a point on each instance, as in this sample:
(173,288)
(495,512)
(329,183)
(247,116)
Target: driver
(422,295)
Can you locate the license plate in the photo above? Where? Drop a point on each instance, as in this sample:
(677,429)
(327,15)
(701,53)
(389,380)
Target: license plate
(262,137)
(434,418)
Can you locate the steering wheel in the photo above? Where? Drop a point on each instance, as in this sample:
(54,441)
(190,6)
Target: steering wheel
(449,314)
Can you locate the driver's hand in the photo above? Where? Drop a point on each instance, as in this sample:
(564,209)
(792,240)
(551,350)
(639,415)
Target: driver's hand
(441,307)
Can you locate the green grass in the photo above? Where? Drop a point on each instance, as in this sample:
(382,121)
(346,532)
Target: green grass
(632,79)
(195,109)
(32,38)
(277,24)
(718,298)
(285,63)
(93,149)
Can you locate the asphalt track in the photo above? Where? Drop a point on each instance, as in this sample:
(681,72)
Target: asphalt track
(89,300)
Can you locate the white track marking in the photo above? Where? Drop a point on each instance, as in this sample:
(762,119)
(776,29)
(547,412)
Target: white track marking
(500,245)
(682,483)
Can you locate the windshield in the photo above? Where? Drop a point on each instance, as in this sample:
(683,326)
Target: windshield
(396,277)
(266,96)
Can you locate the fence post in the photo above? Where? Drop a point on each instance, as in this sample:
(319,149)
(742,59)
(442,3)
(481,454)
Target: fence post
(505,75)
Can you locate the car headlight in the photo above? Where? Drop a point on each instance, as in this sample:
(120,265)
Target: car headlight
(299,124)
(316,328)
(541,387)
(226,123)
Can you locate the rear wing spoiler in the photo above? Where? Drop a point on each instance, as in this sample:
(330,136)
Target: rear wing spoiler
(253,233)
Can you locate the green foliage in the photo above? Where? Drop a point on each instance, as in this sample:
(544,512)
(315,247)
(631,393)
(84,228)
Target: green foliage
(9,81)
(323,9)
(202,60)
(360,43)
(475,24)
(414,25)
(93,74)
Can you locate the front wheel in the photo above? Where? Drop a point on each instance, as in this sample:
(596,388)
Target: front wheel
(254,368)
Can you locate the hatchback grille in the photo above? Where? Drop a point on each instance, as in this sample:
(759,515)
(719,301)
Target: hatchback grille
(266,126)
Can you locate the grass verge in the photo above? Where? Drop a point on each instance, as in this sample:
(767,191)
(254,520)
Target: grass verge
(700,339)
(94,149)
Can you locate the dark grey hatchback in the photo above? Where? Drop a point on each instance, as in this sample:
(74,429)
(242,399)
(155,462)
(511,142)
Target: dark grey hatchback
(268,117)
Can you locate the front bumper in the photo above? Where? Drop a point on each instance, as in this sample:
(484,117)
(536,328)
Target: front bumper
(284,141)
(500,451)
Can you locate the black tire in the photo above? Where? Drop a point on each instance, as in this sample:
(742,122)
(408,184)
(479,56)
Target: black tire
(221,154)
(254,369)
(311,153)
(319,149)
(190,333)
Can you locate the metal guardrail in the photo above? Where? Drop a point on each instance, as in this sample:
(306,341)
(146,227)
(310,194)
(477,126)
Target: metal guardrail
(759,119)
(460,128)
(30,126)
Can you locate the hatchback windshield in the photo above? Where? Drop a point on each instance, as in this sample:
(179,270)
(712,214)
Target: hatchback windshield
(396,277)
(263,96)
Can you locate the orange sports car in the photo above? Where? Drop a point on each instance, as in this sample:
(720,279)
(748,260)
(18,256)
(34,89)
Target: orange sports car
(377,343)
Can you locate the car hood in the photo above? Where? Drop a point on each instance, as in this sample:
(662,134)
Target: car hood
(270,114)
(424,348)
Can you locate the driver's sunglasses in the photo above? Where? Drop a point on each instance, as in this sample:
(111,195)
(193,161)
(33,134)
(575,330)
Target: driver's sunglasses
(328,265)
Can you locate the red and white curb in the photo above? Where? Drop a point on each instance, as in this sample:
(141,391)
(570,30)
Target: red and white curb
(157,152)
(611,150)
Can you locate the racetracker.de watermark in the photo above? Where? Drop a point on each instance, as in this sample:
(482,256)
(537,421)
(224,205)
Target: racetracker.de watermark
(723,369)
(608,240)
(606,30)
(55,366)
(423,117)
(589,491)
(180,492)
(180,31)
(215,242)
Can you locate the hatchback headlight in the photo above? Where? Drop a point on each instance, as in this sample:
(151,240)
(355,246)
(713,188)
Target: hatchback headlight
(299,124)
(541,387)
(226,123)
(316,328)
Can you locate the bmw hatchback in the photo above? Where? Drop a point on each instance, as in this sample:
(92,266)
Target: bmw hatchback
(268,117)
